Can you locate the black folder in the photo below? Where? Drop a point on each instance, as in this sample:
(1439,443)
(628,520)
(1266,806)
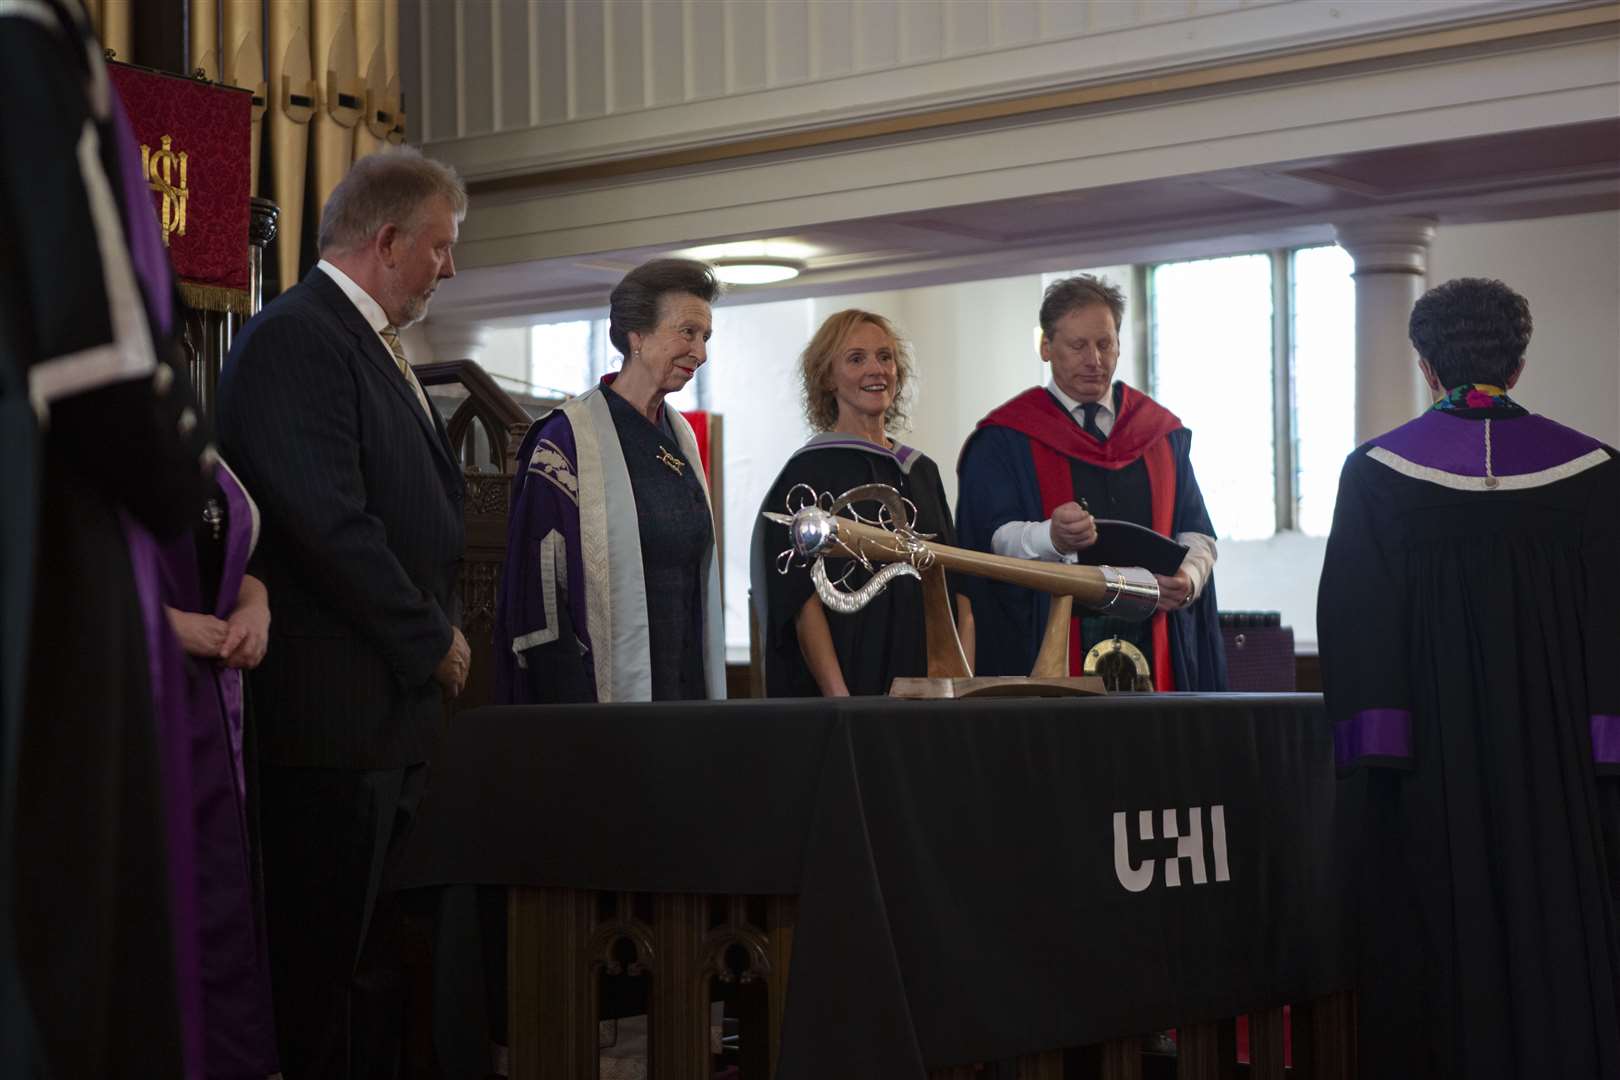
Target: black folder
(1123,543)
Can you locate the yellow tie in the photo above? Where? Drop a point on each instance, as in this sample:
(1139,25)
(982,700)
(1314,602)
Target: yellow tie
(390,336)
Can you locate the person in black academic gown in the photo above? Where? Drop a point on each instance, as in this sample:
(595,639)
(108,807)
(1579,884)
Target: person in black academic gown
(104,455)
(1469,622)
(855,372)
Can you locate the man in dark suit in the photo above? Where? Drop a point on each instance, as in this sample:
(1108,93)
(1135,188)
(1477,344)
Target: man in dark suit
(361,498)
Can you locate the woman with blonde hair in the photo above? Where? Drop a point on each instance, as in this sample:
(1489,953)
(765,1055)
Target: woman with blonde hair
(856,372)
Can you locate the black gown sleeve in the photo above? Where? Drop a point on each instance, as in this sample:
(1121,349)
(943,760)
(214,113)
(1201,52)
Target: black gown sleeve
(1361,624)
(139,440)
(1600,554)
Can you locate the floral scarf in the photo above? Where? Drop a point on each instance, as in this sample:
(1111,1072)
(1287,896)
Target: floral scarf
(1477,397)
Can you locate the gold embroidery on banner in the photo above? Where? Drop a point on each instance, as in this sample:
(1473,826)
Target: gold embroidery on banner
(159,169)
(671,462)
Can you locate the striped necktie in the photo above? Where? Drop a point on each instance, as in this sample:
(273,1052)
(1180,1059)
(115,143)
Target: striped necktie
(390,336)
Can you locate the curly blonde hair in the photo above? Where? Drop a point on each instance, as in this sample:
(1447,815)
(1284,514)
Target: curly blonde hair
(815,367)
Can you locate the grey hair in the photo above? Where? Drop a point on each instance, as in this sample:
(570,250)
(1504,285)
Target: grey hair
(386,188)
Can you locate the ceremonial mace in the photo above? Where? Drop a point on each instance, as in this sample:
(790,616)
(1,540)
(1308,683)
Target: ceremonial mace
(818,530)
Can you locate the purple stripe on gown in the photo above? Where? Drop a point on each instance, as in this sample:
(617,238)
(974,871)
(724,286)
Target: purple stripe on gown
(167,661)
(169,700)
(1606,739)
(238,1027)
(1456,444)
(832,440)
(1381,733)
(146,252)
(238,545)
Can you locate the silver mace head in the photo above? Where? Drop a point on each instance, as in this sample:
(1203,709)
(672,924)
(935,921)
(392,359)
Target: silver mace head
(813,530)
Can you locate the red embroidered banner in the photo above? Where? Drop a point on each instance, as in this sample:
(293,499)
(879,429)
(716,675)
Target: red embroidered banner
(195,151)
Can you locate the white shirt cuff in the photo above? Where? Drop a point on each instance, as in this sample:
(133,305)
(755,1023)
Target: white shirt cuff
(1028,540)
(1199,562)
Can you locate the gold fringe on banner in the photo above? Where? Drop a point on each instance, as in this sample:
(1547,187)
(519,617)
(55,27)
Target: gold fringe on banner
(216,298)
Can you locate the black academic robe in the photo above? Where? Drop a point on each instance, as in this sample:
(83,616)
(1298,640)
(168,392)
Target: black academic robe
(102,449)
(1470,637)
(886,639)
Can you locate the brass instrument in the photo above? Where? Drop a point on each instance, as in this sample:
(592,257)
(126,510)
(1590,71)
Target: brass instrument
(818,530)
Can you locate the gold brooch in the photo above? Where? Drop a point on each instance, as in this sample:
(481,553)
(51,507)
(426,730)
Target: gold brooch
(673,463)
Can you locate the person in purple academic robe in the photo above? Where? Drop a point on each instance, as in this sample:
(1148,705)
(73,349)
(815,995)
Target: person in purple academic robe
(221,615)
(1469,625)
(611,590)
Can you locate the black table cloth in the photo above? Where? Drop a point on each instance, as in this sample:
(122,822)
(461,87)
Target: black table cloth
(973,876)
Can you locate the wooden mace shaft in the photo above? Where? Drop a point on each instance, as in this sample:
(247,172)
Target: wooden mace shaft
(1085,583)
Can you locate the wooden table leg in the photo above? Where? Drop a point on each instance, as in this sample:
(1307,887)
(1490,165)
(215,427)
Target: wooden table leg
(1325,1038)
(1206,1051)
(781,915)
(1122,1059)
(678,1046)
(551,1000)
(1266,1044)
(1045,1066)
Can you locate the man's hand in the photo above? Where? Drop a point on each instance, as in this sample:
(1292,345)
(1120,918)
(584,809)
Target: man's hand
(1073,529)
(452,670)
(1175,591)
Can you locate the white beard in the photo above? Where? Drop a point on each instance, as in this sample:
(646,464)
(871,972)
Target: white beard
(413,310)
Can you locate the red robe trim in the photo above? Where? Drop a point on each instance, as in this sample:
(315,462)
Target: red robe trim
(1139,432)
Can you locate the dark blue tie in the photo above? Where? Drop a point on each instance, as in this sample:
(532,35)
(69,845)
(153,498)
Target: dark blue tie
(1089,424)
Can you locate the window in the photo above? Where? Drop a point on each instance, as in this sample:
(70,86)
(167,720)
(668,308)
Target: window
(1211,331)
(1322,375)
(1256,354)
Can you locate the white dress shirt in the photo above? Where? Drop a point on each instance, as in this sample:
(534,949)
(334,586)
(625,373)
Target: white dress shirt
(369,309)
(1033,539)
(377,319)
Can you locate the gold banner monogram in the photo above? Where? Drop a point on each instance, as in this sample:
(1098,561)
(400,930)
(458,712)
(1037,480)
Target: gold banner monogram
(159,169)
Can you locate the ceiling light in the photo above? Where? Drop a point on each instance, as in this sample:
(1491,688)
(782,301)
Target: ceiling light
(756,271)
(753,249)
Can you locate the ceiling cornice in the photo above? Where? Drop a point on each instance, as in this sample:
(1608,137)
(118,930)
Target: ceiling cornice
(1502,33)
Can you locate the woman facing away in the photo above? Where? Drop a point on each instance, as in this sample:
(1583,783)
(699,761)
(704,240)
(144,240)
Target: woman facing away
(1469,623)
(855,373)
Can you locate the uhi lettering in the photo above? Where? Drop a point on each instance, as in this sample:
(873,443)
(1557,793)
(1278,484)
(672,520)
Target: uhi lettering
(1188,847)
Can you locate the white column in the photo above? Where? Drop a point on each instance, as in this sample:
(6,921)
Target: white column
(1391,257)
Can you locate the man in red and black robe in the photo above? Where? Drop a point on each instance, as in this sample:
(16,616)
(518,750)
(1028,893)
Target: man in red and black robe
(1041,470)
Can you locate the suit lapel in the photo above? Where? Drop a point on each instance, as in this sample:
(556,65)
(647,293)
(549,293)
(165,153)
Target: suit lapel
(375,353)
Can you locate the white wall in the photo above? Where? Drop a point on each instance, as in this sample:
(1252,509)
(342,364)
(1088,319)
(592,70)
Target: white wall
(973,346)
(1569,270)
(764,372)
